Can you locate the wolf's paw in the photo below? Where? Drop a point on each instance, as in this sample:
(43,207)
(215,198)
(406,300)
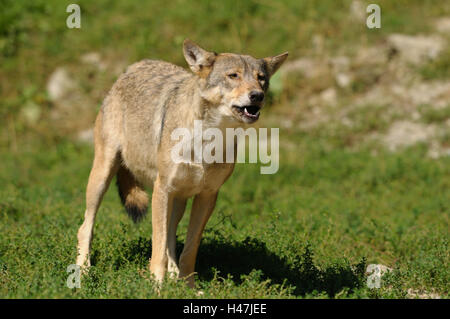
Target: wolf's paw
(173,270)
(199,293)
(84,266)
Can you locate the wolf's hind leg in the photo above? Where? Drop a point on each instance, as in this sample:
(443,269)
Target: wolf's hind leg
(106,163)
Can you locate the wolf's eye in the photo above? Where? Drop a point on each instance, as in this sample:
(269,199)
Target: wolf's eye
(233,75)
(261,77)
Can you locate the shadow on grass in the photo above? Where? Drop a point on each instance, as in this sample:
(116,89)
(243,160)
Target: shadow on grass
(240,258)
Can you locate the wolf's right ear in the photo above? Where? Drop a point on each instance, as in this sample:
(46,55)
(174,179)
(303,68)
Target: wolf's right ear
(200,61)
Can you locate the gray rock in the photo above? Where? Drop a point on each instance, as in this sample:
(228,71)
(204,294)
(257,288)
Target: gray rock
(94,59)
(405,133)
(443,25)
(86,136)
(416,49)
(417,294)
(60,84)
(358,11)
(309,67)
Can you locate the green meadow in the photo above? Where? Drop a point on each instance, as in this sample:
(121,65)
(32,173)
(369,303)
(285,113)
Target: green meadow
(339,202)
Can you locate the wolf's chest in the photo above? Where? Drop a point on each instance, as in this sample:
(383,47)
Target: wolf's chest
(189,179)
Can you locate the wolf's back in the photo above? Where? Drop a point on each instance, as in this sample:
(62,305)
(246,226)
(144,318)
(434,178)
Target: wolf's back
(133,116)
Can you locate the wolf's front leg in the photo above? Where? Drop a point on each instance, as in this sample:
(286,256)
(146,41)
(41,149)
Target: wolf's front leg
(162,202)
(202,208)
(178,208)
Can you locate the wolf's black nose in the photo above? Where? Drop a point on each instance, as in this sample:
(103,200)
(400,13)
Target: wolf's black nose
(256,96)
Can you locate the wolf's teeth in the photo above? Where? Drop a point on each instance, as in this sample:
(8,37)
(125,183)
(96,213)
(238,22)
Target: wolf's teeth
(257,113)
(245,110)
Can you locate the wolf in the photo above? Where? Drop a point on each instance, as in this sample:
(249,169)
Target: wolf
(132,141)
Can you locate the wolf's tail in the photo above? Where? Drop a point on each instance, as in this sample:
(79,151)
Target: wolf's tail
(134,198)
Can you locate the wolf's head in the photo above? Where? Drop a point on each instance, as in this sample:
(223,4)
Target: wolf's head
(235,84)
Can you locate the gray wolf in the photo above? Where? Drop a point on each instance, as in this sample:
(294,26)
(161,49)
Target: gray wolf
(132,138)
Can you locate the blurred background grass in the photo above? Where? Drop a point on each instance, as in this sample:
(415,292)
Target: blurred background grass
(34,40)
(364,139)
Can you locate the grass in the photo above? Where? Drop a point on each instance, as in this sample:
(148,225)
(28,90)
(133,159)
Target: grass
(433,115)
(437,69)
(309,231)
(34,39)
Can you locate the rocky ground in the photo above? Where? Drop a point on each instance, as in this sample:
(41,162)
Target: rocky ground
(382,84)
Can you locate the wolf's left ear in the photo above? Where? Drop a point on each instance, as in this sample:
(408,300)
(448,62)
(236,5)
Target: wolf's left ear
(200,61)
(273,63)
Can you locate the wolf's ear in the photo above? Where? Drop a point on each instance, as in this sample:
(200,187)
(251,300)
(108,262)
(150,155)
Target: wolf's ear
(273,63)
(200,61)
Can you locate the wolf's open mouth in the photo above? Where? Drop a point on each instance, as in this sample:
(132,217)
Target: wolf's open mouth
(250,112)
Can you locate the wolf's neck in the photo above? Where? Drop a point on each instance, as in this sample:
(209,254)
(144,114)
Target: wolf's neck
(203,104)
(197,107)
